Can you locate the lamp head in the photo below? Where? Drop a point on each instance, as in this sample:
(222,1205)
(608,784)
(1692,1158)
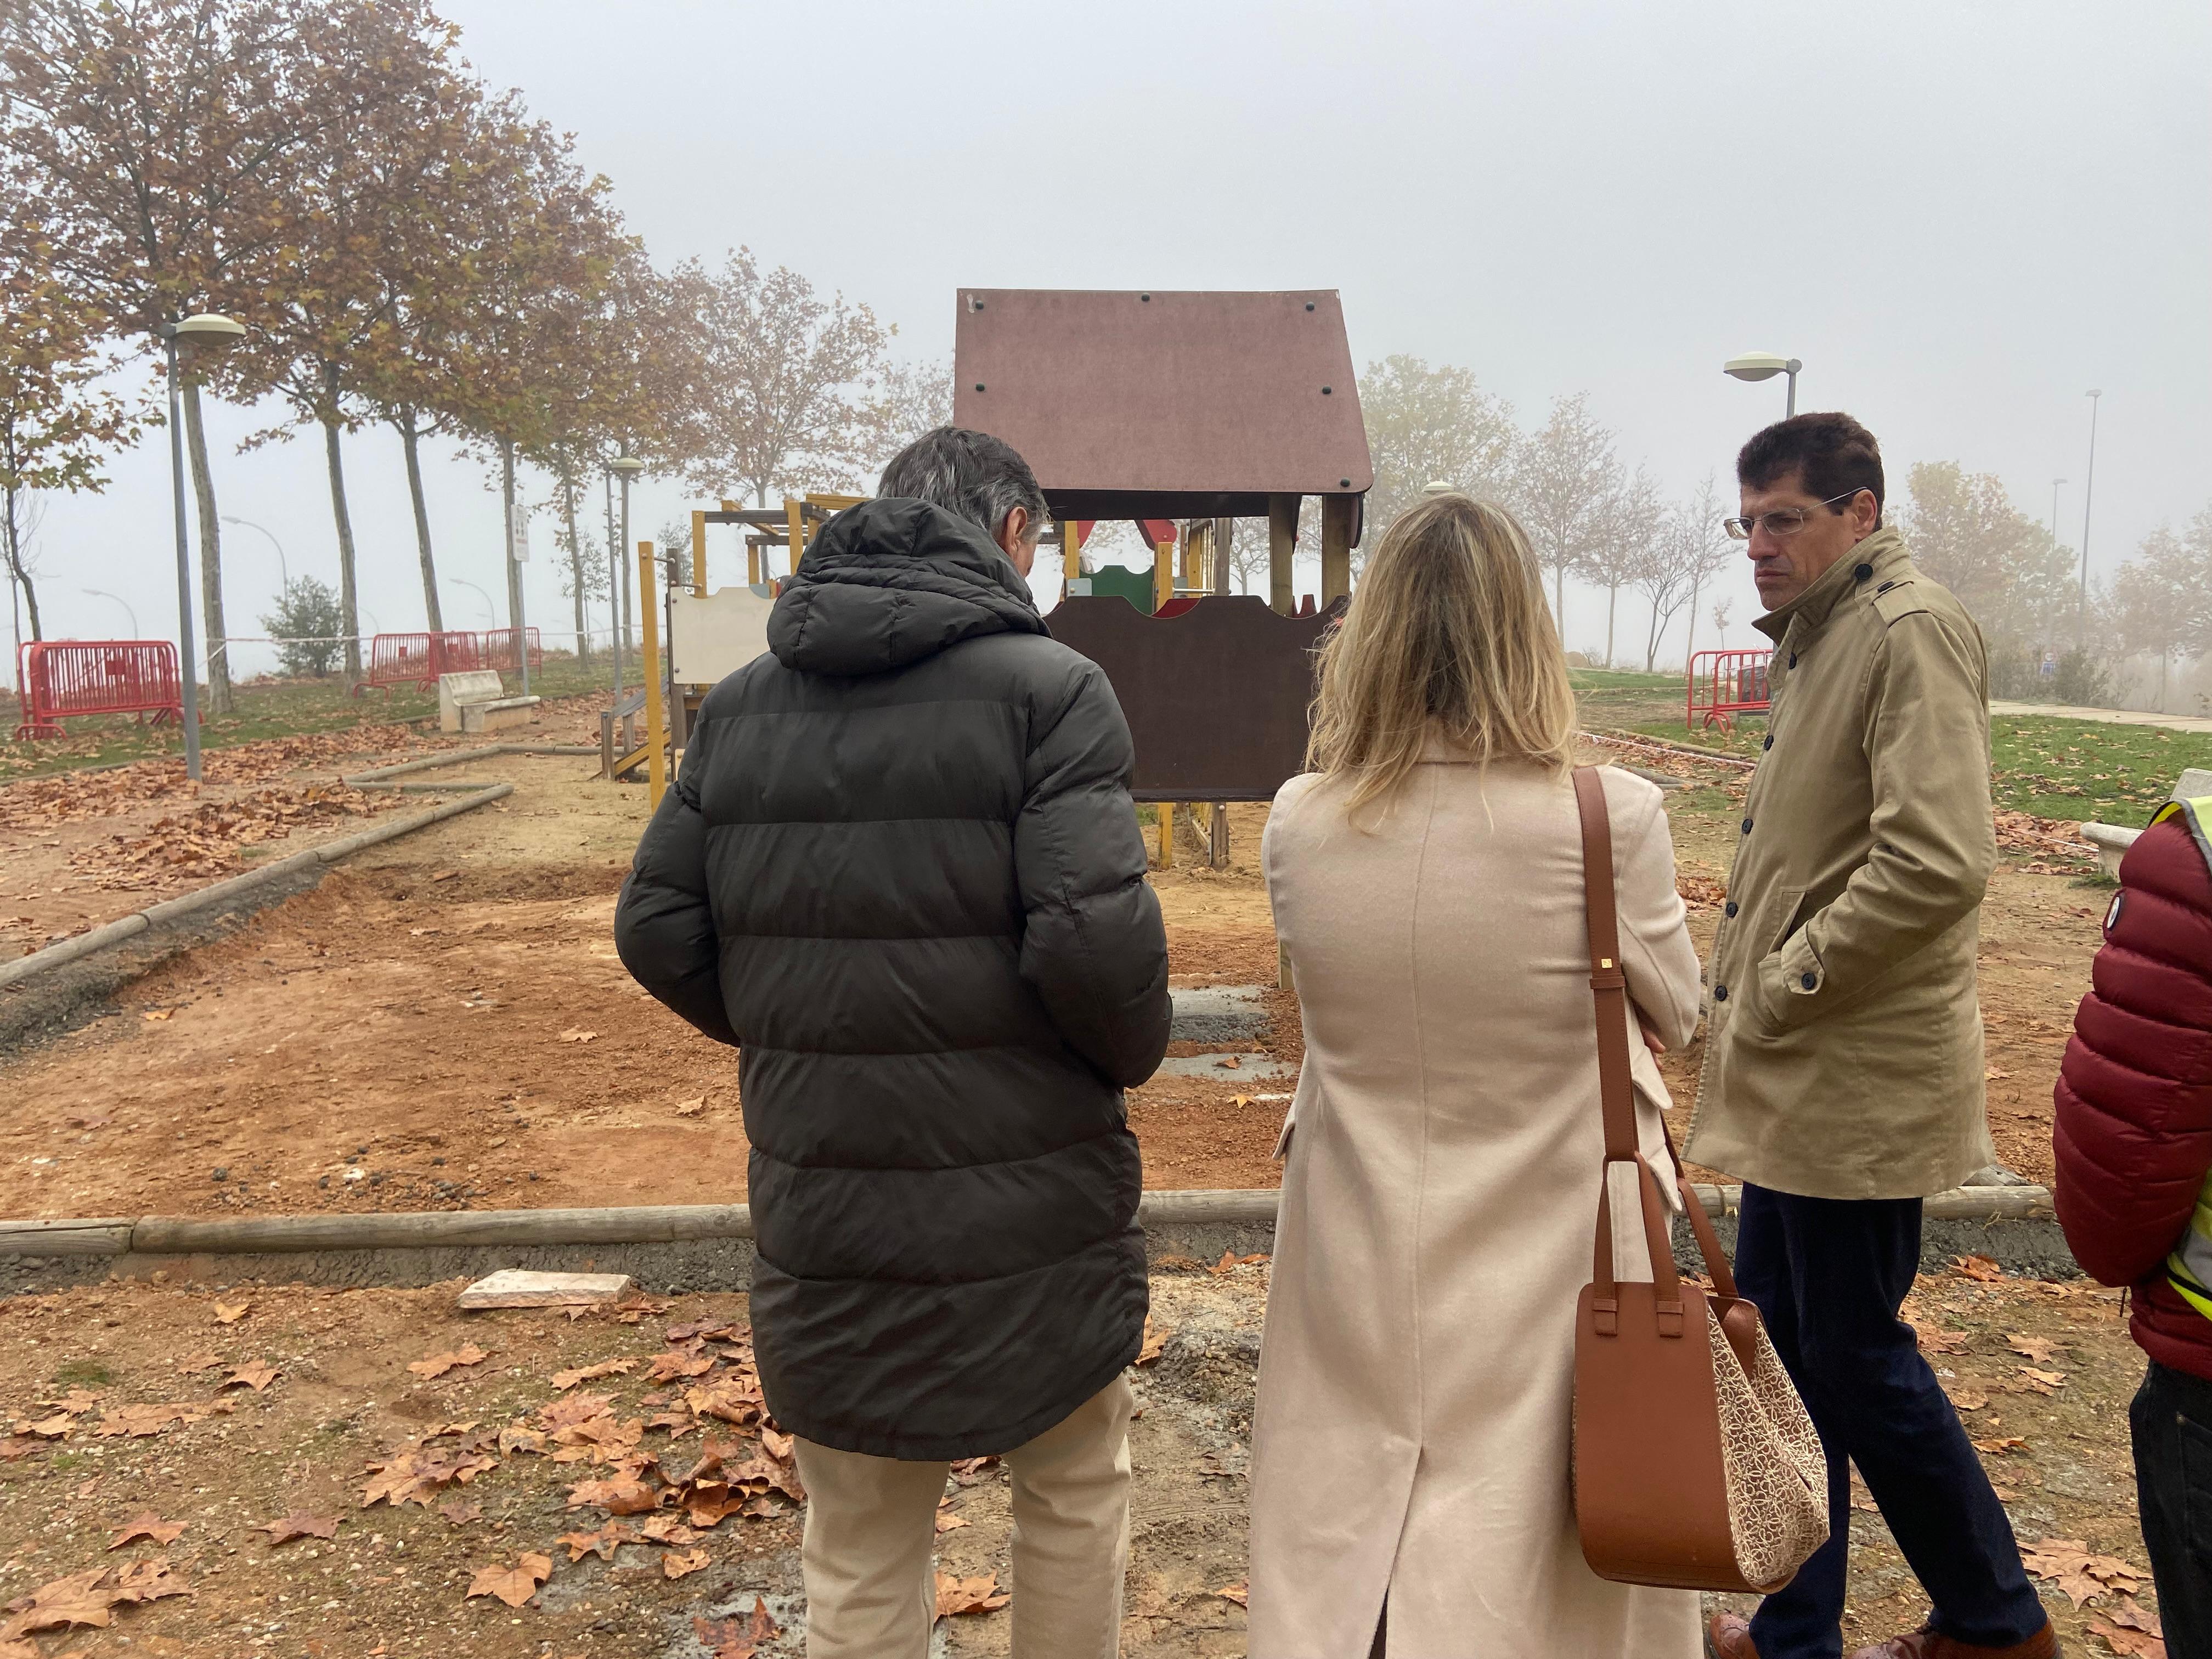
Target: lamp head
(1435,487)
(1758,365)
(208,333)
(629,466)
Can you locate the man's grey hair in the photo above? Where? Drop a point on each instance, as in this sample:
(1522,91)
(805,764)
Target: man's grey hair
(971,475)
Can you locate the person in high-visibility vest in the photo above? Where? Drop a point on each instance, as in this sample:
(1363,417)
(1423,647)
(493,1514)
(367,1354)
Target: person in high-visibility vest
(2134,1145)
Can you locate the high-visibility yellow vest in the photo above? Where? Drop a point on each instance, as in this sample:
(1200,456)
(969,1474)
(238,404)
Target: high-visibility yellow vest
(2189,1269)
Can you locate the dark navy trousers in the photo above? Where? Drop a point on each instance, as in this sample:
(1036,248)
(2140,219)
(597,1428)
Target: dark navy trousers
(1828,1276)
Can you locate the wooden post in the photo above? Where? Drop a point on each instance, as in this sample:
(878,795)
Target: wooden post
(1163,575)
(1218,839)
(699,553)
(752,564)
(1194,540)
(1337,514)
(1071,553)
(1282,544)
(656,716)
(1166,810)
(794,519)
(1224,533)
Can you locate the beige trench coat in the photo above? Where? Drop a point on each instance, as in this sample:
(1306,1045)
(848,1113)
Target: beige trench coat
(1843,1052)
(1416,1374)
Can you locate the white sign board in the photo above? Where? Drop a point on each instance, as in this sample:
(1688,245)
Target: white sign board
(710,639)
(518,547)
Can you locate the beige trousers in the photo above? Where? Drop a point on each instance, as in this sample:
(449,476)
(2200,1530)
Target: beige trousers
(869,1555)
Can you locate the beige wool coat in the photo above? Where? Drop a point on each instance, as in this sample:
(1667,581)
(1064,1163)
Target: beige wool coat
(1844,1051)
(1439,1198)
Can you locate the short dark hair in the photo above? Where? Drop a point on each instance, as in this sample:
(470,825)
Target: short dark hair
(971,475)
(1831,454)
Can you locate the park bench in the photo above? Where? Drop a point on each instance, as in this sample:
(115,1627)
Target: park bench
(477,702)
(2112,840)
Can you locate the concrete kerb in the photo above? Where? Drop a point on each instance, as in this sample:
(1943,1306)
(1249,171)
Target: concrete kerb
(709,1246)
(476,794)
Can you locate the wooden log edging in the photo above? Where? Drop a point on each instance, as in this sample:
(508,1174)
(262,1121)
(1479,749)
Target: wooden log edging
(114,933)
(660,1223)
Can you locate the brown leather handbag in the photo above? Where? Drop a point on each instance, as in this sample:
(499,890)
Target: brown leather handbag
(1695,1466)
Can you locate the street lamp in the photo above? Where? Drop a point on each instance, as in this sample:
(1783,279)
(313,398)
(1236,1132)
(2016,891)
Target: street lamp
(102,593)
(2088,490)
(2056,484)
(205,336)
(625,467)
(491,613)
(283,573)
(1764,366)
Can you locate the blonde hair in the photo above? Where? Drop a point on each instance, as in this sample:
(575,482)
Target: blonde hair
(1448,637)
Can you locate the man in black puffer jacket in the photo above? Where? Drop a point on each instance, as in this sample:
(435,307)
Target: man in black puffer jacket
(902,870)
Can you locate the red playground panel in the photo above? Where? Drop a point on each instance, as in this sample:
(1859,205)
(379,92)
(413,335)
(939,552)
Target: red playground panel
(1726,684)
(57,678)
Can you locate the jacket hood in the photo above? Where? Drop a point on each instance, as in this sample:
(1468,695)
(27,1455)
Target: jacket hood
(891,581)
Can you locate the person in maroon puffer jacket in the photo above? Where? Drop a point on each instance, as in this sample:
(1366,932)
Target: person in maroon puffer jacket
(2134,1144)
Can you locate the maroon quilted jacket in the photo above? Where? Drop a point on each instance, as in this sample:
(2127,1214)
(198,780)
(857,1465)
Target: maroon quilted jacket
(2134,1126)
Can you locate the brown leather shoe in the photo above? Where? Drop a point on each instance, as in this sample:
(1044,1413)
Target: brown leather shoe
(1925,1644)
(1728,1636)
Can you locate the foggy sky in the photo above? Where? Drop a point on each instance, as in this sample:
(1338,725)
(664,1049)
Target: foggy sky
(1959,217)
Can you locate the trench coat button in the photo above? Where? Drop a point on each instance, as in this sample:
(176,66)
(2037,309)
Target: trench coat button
(1720,994)
(1793,659)
(1747,826)
(1864,573)
(1808,980)
(1769,743)
(1729,909)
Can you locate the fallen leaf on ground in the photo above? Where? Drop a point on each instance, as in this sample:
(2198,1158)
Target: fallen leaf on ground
(229,1313)
(1978,1268)
(681,1564)
(2030,1347)
(1933,1341)
(148,1580)
(733,1638)
(1156,1340)
(80,1599)
(516,1439)
(252,1375)
(692,1107)
(2081,1574)
(1231,1259)
(513,1585)
(141,1420)
(1229,1063)
(578,1035)
(438,1364)
(460,1512)
(617,1497)
(778,1446)
(300,1524)
(2044,1381)
(956,1596)
(147,1524)
(603,1543)
(666,1529)
(1995,1074)
(1965,1396)
(158,1013)
(567,1380)
(2132,1644)
(2011,1443)
(948,1522)
(1239,1592)
(443,875)
(193,1364)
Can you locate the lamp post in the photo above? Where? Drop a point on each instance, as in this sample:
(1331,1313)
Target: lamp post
(102,593)
(1764,366)
(626,467)
(2088,490)
(2056,484)
(206,335)
(283,573)
(491,612)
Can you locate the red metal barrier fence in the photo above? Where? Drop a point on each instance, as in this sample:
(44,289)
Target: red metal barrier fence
(56,678)
(417,659)
(1726,684)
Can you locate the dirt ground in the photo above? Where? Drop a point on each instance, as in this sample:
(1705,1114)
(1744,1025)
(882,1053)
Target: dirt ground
(137,1402)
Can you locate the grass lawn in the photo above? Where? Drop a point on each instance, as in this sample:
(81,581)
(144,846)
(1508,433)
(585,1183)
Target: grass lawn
(267,709)
(2054,768)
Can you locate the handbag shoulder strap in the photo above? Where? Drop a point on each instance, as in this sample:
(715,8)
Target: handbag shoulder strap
(1616,1101)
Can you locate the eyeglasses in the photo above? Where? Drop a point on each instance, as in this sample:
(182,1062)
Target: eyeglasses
(1782,521)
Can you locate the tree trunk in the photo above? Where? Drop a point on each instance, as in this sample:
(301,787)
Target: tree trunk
(349,600)
(1559,599)
(575,564)
(17,576)
(411,441)
(211,622)
(1651,643)
(1612,600)
(1690,639)
(508,516)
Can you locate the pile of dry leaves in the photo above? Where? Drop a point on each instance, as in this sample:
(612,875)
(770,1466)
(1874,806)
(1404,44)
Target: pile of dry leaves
(2055,844)
(205,841)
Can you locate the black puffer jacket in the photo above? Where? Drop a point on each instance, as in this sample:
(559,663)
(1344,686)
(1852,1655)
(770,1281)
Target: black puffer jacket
(900,869)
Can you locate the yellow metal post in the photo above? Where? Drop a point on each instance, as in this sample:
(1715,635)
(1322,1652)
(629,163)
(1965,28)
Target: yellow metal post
(752,565)
(1071,553)
(1166,809)
(795,517)
(1163,575)
(656,717)
(699,552)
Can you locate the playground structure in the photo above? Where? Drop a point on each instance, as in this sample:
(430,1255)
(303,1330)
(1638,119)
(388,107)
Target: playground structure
(1726,684)
(56,679)
(1191,410)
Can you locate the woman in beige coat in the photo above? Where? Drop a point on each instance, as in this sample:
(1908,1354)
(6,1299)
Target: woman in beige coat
(1412,1436)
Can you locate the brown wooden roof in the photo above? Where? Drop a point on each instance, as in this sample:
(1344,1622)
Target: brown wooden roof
(1148,402)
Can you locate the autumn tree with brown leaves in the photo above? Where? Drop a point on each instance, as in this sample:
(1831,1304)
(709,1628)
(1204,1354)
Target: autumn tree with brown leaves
(158,141)
(57,421)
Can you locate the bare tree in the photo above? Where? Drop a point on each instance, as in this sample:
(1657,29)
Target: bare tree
(1565,479)
(1707,549)
(790,381)
(1666,577)
(1624,543)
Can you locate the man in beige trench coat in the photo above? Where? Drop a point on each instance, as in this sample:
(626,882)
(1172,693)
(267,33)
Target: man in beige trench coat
(1843,1076)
